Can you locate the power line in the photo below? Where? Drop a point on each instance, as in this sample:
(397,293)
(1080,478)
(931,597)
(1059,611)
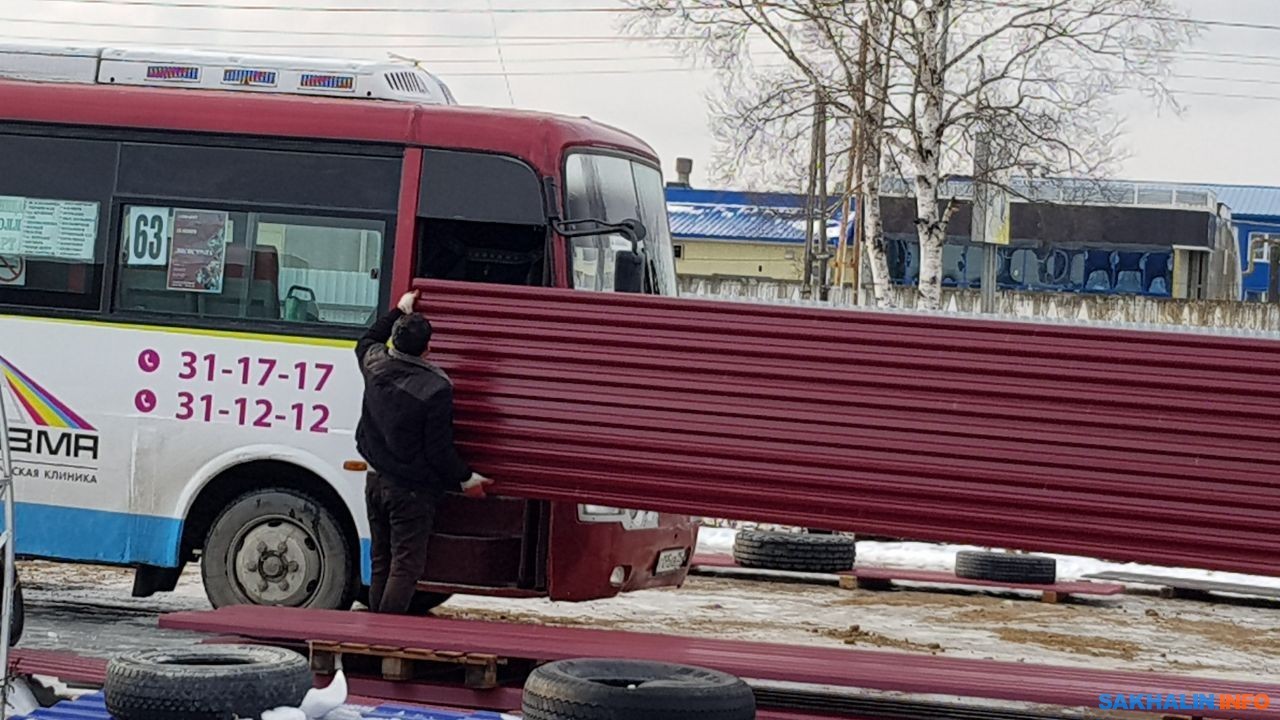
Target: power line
(596,59)
(502,58)
(570,73)
(348,9)
(206,5)
(391,48)
(1227,58)
(340,33)
(1202,22)
(487,39)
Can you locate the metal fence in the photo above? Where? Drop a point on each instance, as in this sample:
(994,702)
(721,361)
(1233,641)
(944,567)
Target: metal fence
(1217,316)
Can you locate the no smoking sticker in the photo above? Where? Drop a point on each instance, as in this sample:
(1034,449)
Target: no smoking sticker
(13,270)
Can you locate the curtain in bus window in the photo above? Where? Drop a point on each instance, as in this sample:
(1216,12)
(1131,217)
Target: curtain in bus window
(249,266)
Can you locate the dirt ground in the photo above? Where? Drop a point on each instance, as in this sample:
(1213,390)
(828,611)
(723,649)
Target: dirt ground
(88,610)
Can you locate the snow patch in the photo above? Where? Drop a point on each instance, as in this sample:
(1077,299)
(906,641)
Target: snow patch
(932,556)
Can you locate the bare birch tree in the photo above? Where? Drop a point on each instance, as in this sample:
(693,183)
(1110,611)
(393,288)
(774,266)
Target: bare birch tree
(1038,75)
(780,62)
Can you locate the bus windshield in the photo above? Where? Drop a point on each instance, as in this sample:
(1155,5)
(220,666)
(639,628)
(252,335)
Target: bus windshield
(613,189)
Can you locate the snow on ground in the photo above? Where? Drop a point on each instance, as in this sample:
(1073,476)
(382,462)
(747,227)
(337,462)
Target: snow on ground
(930,556)
(1127,632)
(88,610)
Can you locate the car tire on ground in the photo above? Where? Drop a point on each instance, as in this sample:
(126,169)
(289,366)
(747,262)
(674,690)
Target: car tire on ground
(278,547)
(1005,567)
(792,551)
(588,689)
(214,682)
(18,621)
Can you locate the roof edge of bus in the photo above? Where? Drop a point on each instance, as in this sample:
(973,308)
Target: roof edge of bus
(414,119)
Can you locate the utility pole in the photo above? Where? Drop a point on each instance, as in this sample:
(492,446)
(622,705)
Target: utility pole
(806,288)
(1273,280)
(991,215)
(822,249)
(853,201)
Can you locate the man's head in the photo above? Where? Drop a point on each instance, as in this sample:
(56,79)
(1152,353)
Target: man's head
(411,335)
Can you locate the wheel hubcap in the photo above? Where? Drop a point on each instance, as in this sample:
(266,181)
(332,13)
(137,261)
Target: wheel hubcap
(277,562)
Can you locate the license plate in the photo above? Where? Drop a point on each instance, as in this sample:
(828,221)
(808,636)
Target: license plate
(669,561)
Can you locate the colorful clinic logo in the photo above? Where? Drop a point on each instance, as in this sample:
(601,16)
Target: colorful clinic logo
(39,405)
(1197,701)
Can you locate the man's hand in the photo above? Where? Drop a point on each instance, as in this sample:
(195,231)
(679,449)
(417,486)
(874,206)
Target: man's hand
(475,485)
(407,301)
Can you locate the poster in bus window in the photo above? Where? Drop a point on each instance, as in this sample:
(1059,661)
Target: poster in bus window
(11,224)
(198,252)
(48,229)
(60,229)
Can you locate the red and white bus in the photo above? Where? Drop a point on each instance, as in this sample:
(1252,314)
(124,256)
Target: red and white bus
(190,243)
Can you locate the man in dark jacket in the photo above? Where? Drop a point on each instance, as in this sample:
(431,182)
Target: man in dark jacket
(406,436)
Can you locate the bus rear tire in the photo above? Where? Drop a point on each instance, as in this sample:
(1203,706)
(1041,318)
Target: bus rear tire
(278,547)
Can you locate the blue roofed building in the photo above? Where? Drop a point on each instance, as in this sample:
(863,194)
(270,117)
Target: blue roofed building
(1109,237)
(721,233)
(1255,213)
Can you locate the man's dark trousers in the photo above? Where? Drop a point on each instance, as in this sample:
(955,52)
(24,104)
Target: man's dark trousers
(400,521)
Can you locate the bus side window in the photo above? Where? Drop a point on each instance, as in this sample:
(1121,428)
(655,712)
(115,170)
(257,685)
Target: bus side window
(246,265)
(481,218)
(53,195)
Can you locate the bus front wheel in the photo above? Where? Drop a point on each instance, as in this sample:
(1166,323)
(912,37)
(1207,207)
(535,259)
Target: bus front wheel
(278,547)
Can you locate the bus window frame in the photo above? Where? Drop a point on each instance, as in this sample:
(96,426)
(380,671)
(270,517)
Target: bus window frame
(565,265)
(257,325)
(102,241)
(111,213)
(551,277)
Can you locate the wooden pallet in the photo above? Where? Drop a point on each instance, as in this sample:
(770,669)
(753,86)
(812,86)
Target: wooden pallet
(879,578)
(1183,588)
(887,578)
(480,670)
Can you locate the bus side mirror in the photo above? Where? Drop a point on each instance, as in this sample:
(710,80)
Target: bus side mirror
(628,271)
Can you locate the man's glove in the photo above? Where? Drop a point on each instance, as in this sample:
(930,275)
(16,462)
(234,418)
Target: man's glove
(475,485)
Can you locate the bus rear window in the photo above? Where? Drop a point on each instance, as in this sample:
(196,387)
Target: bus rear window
(55,195)
(213,263)
(50,254)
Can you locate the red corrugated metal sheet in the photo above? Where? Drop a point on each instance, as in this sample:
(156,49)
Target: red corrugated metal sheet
(869,669)
(67,667)
(1128,445)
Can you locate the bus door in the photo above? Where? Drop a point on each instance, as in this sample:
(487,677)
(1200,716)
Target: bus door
(481,218)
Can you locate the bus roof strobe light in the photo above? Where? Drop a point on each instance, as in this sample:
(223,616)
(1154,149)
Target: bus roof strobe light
(170,73)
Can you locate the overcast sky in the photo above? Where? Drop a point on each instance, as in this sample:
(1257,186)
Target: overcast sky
(578,63)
